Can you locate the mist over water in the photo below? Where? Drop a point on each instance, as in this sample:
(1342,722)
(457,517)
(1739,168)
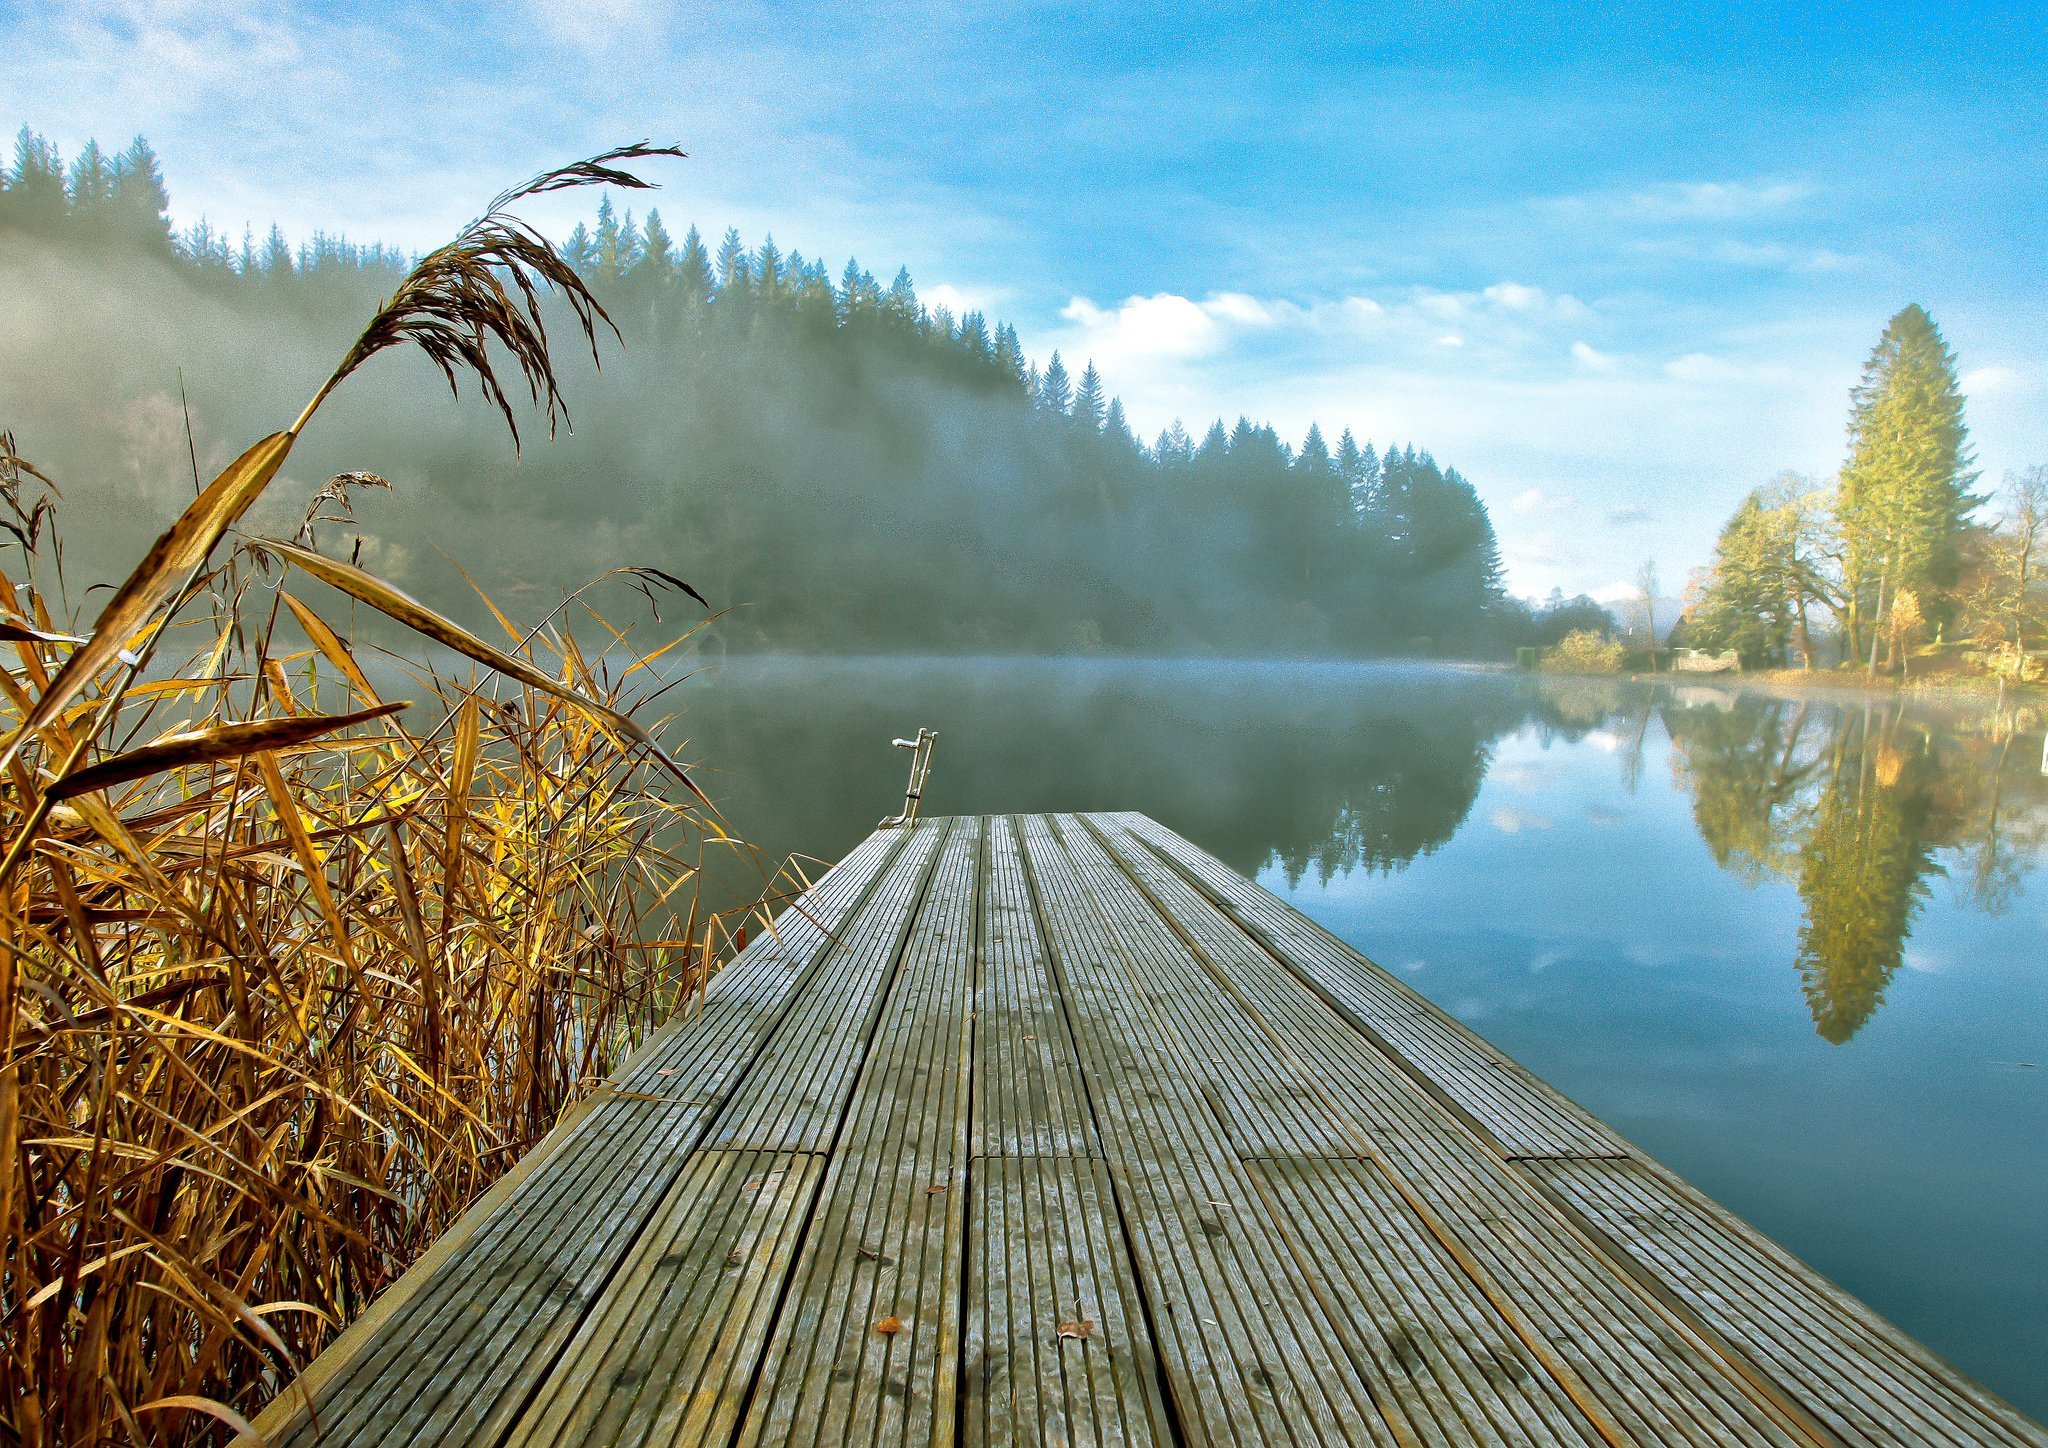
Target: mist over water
(1790,947)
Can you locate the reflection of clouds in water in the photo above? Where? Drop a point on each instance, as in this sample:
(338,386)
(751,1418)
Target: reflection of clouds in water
(1601,815)
(1522,778)
(1928,962)
(1604,741)
(1514,821)
(1414,965)
(1544,961)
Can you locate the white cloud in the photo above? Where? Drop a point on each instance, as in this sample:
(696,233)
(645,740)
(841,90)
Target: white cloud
(1701,367)
(961,300)
(1515,297)
(1587,357)
(1610,594)
(1990,381)
(1162,325)
(1237,307)
(1713,200)
(1450,339)
(1515,821)
(1536,502)
(1629,514)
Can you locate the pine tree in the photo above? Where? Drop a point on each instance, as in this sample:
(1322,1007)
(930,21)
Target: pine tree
(767,268)
(901,303)
(140,205)
(1088,410)
(1055,392)
(1905,496)
(580,251)
(974,335)
(609,263)
(657,259)
(1009,354)
(858,294)
(34,198)
(733,275)
(92,183)
(276,260)
(693,267)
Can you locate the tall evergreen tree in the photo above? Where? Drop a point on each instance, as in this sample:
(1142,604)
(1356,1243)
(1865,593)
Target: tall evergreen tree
(1905,494)
(693,267)
(657,259)
(1089,407)
(92,183)
(901,305)
(34,199)
(1055,391)
(138,202)
(767,268)
(732,264)
(580,250)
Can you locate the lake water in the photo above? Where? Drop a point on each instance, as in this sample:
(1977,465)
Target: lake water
(1794,948)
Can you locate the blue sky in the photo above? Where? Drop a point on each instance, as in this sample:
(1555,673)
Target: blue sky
(1618,267)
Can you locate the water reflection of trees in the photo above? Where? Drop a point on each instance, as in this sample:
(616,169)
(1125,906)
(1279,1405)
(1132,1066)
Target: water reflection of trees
(1323,770)
(1862,809)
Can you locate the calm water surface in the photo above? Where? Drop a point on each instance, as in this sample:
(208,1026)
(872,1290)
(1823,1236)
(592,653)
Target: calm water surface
(1792,947)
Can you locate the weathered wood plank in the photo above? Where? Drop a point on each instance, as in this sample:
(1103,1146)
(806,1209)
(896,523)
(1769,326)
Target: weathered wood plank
(1249,1354)
(668,1356)
(1859,1374)
(1523,1114)
(1044,1251)
(1028,1098)
(867,1347)
(794,1094)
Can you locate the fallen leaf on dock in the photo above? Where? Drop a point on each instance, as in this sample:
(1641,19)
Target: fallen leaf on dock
(889,1326)
(934,1189)
(1078,1327)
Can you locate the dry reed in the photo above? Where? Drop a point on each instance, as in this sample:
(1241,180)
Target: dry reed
(289,972)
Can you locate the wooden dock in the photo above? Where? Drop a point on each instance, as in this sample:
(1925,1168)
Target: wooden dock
(1054,1130)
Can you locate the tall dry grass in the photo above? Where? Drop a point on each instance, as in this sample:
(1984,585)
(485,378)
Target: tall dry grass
(291,971)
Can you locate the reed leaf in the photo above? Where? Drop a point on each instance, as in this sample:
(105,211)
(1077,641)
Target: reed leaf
(209,746)
(181,551)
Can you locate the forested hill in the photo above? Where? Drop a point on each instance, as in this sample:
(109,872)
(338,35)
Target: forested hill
(842,465)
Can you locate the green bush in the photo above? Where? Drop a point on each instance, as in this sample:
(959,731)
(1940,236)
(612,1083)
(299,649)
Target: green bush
(1584,652)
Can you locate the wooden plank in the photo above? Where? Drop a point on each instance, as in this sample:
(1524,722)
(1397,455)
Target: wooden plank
(1044,1249)
(668,1355)
(1857,1372)
(1525,1116)
(1028,1098)
(468,1337)
(1625,1360)
(1248,1352)
(1423,1324)
(794,1095)
(887,1245)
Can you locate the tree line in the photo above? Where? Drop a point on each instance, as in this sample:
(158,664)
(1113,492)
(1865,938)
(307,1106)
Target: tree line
(1891,554)
(853,468)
